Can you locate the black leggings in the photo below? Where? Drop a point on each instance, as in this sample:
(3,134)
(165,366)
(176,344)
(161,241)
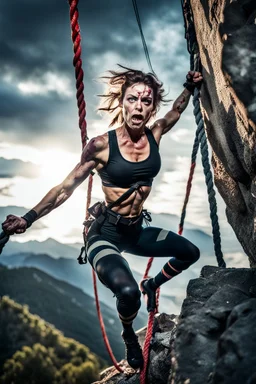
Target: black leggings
(107,241)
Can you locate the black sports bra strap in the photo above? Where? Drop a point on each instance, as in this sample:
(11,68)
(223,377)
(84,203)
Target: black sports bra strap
(113,143)
(128,193)
(151,137)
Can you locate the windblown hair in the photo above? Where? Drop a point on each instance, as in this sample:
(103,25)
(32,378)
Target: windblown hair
(118,82)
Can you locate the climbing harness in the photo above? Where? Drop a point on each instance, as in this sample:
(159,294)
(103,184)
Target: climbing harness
(99,212)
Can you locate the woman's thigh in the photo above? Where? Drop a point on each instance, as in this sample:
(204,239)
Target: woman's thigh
(111,267)
(158,242)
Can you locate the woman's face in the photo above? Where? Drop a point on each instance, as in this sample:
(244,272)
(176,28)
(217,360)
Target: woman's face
(137,105)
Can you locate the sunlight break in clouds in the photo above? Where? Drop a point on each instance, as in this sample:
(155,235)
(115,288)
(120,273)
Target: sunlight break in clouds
(49,82)
(21,152)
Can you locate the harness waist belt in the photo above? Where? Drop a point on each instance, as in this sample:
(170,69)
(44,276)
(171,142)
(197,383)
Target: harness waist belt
(115,218)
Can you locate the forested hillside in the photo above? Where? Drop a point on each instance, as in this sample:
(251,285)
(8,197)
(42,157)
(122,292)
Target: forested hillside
(34,351)
(67,307)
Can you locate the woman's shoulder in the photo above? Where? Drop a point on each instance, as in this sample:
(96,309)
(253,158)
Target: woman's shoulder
(100,142)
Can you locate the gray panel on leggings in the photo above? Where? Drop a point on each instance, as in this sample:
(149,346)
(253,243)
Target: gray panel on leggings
(103,253)
(162,235)
(99,243)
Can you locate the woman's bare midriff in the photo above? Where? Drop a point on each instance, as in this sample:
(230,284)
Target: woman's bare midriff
(133,205)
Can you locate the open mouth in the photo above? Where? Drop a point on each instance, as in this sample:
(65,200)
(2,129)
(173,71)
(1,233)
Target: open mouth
(137,119)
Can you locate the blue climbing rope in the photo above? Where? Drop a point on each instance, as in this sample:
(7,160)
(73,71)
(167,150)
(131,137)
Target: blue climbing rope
(200,137)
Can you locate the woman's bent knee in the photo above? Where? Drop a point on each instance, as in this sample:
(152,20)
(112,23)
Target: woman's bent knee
(128,300)
(192,256)
(129,293)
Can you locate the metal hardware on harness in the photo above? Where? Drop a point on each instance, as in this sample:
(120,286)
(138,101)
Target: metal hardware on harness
(132,222)
(80,258)
(117,219)
(146,215)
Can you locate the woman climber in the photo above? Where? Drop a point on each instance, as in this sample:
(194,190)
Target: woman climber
(127,159)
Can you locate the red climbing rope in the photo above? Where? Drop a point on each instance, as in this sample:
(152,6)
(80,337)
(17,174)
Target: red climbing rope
(148,267)
(77,62)
(106,341)
(143,373)
(146,346)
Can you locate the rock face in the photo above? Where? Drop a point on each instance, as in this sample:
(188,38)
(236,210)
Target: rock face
(226,35)
(214,339)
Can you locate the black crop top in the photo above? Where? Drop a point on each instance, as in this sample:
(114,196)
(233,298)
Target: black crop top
(122,173)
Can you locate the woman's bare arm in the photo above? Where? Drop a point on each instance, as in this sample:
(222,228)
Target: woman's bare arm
(61,192)
(162,126)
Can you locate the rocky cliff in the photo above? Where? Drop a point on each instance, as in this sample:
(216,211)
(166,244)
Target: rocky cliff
(226,35)
(213,341)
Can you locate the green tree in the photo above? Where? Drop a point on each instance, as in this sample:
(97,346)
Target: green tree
(85,373)
(31,365)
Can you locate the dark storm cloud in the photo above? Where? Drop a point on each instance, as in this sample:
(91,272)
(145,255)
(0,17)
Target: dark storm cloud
(27,112)
(35,38)
(24,106)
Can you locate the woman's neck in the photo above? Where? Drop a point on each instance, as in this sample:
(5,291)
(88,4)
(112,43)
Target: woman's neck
(133,134)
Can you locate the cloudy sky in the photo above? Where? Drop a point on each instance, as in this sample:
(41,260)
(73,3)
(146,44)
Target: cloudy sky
(39,134)
(37,77)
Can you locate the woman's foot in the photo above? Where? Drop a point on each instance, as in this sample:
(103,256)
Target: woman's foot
(134,355)
(147,288)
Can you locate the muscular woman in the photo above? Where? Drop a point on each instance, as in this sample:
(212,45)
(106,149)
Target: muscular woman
(124,156)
